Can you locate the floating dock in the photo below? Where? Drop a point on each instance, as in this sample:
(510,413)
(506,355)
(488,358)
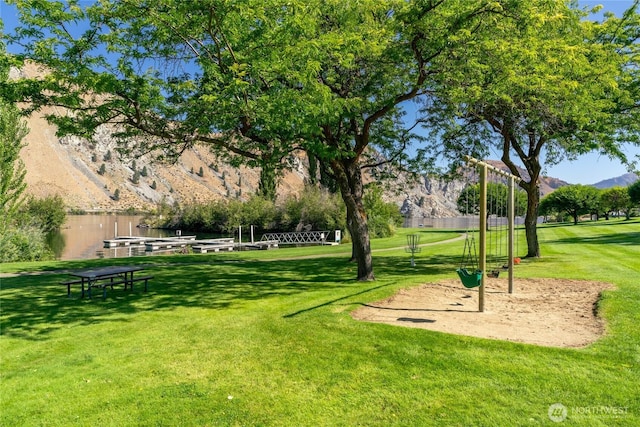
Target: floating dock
(137,240)
(152,244)
(213,245)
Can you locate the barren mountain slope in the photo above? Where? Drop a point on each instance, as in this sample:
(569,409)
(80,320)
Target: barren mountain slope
(69,167)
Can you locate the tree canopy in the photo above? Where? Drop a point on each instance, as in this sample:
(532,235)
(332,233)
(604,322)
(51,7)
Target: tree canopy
(575,200)
(255,80)
(614,200)
(544,86)
(634,193)
(259,80)
(12,171)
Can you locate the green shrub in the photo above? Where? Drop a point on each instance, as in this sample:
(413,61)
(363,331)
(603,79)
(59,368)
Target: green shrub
(319,210)
(260,212)
(314,209)
(383,217)
(24,243)
(48,213)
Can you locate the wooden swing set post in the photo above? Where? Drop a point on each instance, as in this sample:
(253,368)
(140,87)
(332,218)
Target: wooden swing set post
(511,219)
(482,170)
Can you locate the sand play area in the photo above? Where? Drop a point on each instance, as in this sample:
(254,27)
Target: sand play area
(546,312)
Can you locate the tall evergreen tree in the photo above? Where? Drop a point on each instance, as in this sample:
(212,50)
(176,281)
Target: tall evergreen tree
(12,170)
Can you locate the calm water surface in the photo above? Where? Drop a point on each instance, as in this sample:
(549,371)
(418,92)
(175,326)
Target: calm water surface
(82,236)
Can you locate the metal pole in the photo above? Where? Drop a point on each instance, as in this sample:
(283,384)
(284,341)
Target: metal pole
(482,170)
(511,218)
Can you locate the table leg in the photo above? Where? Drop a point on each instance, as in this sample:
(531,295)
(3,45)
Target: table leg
(90,282)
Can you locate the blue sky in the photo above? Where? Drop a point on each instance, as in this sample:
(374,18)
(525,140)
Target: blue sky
(592,168)
(587,169)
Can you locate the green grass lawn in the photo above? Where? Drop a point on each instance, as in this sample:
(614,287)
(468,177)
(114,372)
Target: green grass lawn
(265,338)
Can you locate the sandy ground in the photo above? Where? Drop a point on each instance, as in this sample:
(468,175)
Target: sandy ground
(546,312)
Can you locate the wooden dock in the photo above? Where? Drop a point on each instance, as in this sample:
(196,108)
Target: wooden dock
(261,245)
(137,240)
(124,241)
(152,244)
(213,245)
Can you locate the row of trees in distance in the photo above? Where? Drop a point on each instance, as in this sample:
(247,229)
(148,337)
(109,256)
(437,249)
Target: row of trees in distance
(577,200)
(573,200)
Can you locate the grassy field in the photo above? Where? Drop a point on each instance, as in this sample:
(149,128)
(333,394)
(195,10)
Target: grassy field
(265,338)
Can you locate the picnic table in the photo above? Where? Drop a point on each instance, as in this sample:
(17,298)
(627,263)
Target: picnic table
(104,277)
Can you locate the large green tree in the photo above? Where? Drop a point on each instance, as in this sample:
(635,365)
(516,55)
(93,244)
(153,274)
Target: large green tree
(548,85)
(373,58)
(12,171)
(634,193)
(614,200)
(255,80)
(575,200)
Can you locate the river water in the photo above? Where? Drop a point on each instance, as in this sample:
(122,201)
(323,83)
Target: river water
(82,236)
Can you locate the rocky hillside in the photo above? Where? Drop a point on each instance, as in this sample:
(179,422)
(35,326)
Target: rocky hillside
(87,175)
(90,176)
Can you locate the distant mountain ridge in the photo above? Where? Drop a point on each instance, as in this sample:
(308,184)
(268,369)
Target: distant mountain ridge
(619,181)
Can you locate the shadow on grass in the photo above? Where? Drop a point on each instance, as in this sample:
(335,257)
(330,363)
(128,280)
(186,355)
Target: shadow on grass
(632,238)
(333,301)
(34,305)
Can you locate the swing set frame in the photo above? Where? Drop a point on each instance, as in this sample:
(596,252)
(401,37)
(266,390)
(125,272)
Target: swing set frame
(483,169)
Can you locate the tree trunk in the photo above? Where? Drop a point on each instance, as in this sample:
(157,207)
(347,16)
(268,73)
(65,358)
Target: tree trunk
(349,178)
(531,220)
(532,188)
(268,182)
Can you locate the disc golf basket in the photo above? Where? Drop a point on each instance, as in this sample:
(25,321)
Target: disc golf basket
(413,247)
